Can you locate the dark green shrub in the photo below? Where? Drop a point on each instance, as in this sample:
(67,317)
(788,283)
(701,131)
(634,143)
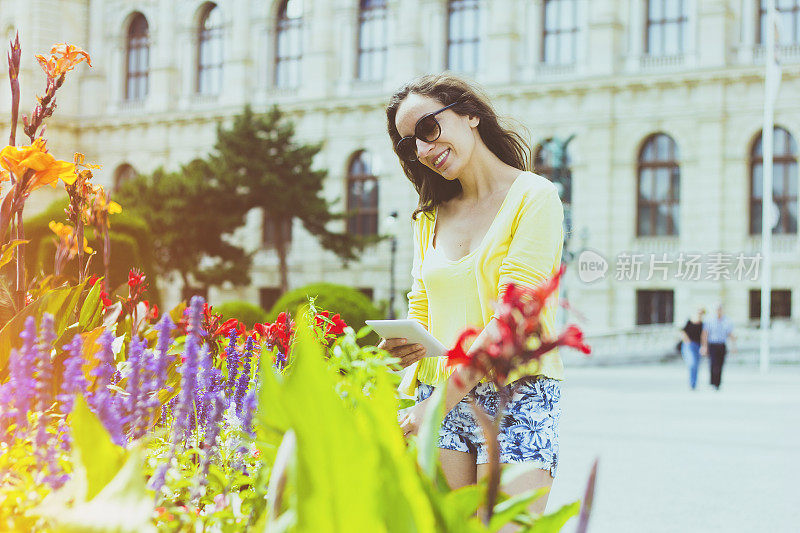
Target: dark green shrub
(353,306)
(129,237)
(241,311)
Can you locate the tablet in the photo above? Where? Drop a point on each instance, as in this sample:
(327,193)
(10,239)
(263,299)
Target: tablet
(411,330)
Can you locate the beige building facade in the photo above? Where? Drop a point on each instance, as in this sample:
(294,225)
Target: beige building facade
(664,99)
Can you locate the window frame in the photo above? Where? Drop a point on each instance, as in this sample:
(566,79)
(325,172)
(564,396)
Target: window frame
(354,221)
(372,12)
(137,42)
(794,13)
(683,24)
(464,43)
(208,35)
(783,160)
(655,294)
(574,31)
(284,25)
(674,195)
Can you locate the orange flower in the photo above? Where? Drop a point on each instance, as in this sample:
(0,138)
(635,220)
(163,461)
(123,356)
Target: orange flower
(66,235)
(47,170)
(63,58)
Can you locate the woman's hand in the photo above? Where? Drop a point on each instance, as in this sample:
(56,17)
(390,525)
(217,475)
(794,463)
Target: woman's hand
(413,417)
(407,353)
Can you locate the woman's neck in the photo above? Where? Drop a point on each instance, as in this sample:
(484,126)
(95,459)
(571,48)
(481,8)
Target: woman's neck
(484,175)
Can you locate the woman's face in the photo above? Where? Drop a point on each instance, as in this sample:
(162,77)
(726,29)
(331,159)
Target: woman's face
(450,153)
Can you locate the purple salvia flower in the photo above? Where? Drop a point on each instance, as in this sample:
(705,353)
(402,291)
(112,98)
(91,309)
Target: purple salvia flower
(250,407)
(104,403)
(184,410)
(244,378)
(217,408)
(44,363)
(231,362)
(165,326)
(21,373)
(74,381)
(133,385)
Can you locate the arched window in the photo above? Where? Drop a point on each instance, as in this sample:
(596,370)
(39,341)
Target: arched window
(288,44)
(560,32)
(123,173)
(362,195)
(784,182)
(209,51)
(659,180)
(545,165)
(372,40)
(667,32)
(463,35)
(788,14)
(137,59)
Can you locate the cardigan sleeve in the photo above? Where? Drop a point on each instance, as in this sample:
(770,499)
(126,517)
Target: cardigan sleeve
(418,297)
(534,253)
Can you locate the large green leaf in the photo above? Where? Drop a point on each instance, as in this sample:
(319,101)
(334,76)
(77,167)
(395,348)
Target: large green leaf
(101,458)
(352,471)
(553,522)
(91,314)
(123,504)
(429,432)
(506,511)
(60,303)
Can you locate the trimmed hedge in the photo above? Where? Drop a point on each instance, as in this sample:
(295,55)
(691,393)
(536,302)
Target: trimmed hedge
(242,311)
(129,248)
(353,306)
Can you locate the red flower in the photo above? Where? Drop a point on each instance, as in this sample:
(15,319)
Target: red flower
(135,278)
(226,328)
(518,321)
(332,325)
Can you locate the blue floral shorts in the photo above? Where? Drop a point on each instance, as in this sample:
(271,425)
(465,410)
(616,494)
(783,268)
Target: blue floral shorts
(528,432)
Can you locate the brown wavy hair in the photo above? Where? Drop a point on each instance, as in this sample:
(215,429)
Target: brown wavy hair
(508,145)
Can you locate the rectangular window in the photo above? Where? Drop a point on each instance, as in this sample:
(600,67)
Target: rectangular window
(267,296)
(654,307)
(780,304)
(667,22)
(560,32)
(268,232)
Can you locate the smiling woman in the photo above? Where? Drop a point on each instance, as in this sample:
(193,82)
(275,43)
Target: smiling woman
(483,223)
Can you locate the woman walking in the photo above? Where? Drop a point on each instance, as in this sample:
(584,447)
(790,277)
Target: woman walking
(483,221)
(691,336)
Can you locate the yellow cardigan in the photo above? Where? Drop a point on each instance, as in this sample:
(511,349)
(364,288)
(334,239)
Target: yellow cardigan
(523,246)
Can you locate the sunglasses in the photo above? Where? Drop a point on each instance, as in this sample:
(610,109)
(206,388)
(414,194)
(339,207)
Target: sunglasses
(426,129)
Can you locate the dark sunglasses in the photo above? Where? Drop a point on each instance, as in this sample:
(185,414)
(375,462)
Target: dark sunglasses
(426,129)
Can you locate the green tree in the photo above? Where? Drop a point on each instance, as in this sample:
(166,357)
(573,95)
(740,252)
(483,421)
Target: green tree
(189,213)
(259,158)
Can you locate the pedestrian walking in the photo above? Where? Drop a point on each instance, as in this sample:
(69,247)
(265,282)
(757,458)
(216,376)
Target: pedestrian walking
(716,332)
(691,337)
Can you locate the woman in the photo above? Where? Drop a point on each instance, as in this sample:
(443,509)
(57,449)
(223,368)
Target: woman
(690,344)
(483,221)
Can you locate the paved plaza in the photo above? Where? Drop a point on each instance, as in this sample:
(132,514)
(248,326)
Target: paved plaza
(675,460)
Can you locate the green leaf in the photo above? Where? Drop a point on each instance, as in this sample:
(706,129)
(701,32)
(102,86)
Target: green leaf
(466,500)
(123,505)
(60,303)
(7,252)
(506,511)
(101,458)
(553,522)
(429,432)
(92,308)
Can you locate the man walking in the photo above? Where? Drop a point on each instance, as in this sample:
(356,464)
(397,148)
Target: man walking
(716,332)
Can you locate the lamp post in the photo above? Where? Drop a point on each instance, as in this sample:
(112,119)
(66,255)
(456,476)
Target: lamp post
(391,223)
